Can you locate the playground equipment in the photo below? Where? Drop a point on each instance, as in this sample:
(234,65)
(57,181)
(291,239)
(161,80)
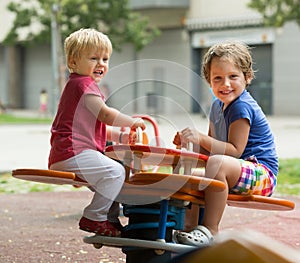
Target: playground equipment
(154,202)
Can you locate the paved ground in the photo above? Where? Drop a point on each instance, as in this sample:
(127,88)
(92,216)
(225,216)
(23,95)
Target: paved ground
(42,227)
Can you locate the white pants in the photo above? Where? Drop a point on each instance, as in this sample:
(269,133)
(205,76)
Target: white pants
(106,178)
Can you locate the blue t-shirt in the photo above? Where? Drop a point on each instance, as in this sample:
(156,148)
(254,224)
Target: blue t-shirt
(260,141)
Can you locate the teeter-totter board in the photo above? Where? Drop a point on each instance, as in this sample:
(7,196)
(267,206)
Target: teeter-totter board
(192,190)
(260,202)
(165,186)
(179,182)
(188,187)
(48,176)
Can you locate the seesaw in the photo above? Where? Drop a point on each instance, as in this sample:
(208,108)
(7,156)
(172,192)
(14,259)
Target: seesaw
(171,192)
(188,192)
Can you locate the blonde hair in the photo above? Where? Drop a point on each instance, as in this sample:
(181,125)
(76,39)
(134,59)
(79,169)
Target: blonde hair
(236,52)
(85,40)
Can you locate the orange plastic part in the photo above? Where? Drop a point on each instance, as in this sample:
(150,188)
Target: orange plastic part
(48,176)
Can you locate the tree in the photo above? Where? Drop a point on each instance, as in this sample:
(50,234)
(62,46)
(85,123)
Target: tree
(277,12)
(32,22)
(50,21)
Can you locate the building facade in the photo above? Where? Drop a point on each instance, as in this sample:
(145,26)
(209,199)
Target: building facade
(165,76)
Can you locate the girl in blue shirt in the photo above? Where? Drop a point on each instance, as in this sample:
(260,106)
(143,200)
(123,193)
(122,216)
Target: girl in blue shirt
(239,141)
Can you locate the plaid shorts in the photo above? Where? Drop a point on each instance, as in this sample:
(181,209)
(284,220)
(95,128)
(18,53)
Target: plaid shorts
(255,178)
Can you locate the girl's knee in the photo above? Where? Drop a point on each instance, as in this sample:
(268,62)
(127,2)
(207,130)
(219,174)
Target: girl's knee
(216,159)
(224,168)
(214,165)
(218,165)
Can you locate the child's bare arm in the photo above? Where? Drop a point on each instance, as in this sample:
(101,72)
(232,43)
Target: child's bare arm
(109,115)
(237,139)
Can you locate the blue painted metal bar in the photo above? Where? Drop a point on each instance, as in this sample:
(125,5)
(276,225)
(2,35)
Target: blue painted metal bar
(201,215)
(164,204)
(147,225)
(142,210)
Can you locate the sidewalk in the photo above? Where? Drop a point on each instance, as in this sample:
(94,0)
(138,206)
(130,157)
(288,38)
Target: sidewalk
(28,145)
(43,227)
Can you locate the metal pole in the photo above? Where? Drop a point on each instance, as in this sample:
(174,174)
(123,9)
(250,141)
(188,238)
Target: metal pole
(135,84)
(54,52)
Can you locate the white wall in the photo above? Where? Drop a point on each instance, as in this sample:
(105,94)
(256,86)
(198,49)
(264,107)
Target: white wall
(216,8)
(161,68)
(3,82)
(286,70)
(37,74)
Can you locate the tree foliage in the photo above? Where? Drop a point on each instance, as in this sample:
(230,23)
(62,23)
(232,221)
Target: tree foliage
(32,22)
(277,12)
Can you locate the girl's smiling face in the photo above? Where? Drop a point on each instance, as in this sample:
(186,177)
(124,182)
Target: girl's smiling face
(92,63)
(227,81)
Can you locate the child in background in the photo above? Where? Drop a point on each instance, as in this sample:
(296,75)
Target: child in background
(43,102)
(79,131)
(239,141)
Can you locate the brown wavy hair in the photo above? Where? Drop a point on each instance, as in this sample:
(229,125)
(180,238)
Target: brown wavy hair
(236,52)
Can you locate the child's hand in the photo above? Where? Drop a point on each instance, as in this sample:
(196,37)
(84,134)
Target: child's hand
(138,123)
(128,138)
(185,136)
(177,139)
(132,137)
(190,135)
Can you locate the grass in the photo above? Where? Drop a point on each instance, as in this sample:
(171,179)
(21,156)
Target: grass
(289,177)
(11,119)
(11,185)
(288,182)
